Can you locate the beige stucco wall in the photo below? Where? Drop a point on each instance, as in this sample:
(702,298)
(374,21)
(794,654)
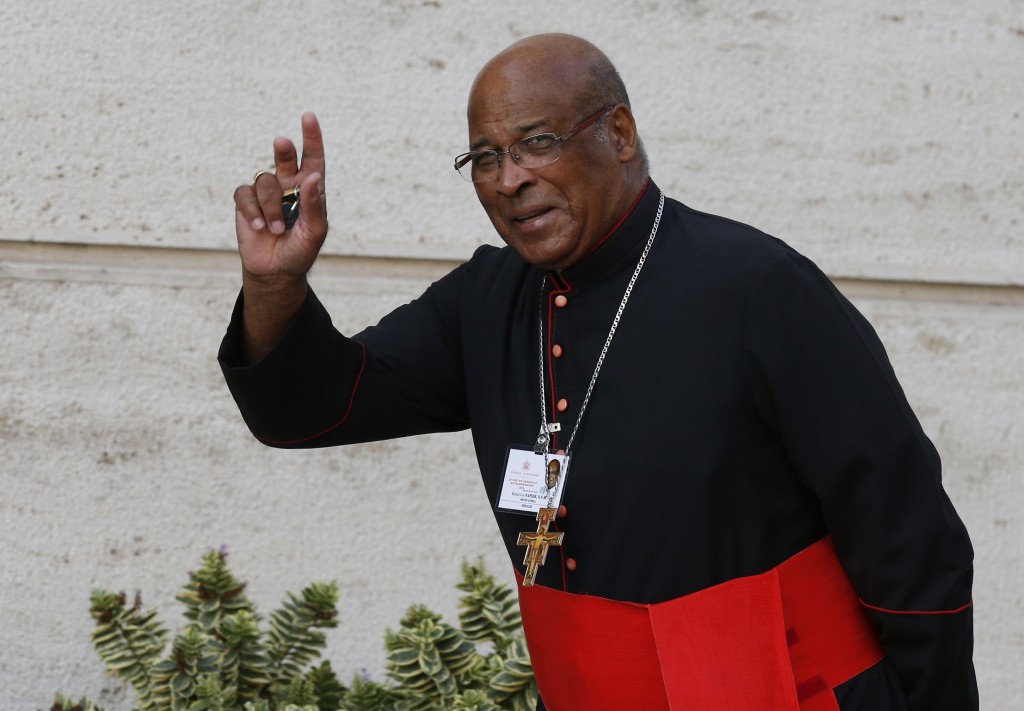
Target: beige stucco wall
(884,140)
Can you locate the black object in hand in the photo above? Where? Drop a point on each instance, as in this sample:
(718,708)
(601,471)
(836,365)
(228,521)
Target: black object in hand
(290,206)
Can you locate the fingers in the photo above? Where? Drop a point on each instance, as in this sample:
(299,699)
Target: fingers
(268,195)
(313,208)
(259,204)
(247,207)
(312,145)
(286,160)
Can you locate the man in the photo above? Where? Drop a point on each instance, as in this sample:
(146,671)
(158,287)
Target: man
(752,516)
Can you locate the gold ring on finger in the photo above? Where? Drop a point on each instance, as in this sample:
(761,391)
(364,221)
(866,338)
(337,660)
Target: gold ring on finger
(257,176)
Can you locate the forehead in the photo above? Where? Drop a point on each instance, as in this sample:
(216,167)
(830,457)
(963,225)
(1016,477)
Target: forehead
(512,99)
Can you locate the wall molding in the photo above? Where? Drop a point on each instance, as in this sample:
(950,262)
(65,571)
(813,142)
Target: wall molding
(210,268)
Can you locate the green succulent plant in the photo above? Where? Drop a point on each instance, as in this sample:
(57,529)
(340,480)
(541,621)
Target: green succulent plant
(490,612)
(62,703)
(223,661)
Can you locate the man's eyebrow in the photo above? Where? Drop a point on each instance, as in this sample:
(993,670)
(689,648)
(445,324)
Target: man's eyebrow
(522,129)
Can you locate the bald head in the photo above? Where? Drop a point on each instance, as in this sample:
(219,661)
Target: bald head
(580,68)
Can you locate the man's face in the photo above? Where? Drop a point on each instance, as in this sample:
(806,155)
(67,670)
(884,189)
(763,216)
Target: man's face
(553,215)
(554,469)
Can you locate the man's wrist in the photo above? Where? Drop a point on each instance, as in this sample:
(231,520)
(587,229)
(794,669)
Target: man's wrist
(269,305)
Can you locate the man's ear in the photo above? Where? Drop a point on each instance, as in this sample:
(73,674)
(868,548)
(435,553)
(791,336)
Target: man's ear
(622,133)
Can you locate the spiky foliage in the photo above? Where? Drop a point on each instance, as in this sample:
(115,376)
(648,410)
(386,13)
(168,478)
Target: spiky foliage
(216,603)
(514,686)
(62,703)
(212,593)
(128,641)
(210,695)
(300,692)
(295,640)
(222,661)
(473,700)
(245,666)
(328,689)
(367,695)
(175,680)
(490,611)
(429,659)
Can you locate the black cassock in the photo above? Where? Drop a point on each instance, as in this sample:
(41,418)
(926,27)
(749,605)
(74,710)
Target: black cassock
(744,410)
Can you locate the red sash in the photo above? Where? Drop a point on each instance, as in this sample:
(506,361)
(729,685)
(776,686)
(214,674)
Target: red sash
(779,641)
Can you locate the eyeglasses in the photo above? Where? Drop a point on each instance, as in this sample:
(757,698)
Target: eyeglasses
(531,152)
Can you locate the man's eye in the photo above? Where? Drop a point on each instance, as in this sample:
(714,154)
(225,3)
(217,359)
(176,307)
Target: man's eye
(537,144)
(485,159)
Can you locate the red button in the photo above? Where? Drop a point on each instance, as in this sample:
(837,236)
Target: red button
(556,351)
(562,405)
(562,511)
(570,563)
(561,301)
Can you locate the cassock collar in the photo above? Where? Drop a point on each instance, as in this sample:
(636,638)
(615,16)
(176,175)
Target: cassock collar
(621,247)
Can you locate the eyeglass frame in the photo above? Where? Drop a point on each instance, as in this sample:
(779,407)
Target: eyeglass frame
(463,158)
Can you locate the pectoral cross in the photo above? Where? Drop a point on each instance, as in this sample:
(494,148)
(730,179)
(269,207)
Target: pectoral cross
(537,544)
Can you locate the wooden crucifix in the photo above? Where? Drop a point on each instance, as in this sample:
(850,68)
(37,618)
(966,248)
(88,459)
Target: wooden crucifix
(537,544)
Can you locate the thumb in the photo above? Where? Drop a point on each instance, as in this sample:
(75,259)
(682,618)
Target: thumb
(313,207)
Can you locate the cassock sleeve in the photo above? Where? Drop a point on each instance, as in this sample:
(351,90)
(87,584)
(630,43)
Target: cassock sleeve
(318,387)
(824,383)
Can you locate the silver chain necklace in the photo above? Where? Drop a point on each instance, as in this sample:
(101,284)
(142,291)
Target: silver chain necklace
(544,438)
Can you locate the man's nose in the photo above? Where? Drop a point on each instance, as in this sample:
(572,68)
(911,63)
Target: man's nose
(512,176)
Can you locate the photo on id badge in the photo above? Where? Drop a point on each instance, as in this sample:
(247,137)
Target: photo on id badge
(532,481)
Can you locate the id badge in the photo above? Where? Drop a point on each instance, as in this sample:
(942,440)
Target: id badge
(524,487)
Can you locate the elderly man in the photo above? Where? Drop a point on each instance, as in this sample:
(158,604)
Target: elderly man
(747,514)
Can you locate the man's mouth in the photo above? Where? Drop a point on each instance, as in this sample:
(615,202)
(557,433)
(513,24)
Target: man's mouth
(531,215)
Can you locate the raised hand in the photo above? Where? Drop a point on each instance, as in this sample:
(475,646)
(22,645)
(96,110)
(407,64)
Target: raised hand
(275,260)
(267,249)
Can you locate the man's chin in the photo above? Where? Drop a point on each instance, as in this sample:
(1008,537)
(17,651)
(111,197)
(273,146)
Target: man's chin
(548,249)
(546,259)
